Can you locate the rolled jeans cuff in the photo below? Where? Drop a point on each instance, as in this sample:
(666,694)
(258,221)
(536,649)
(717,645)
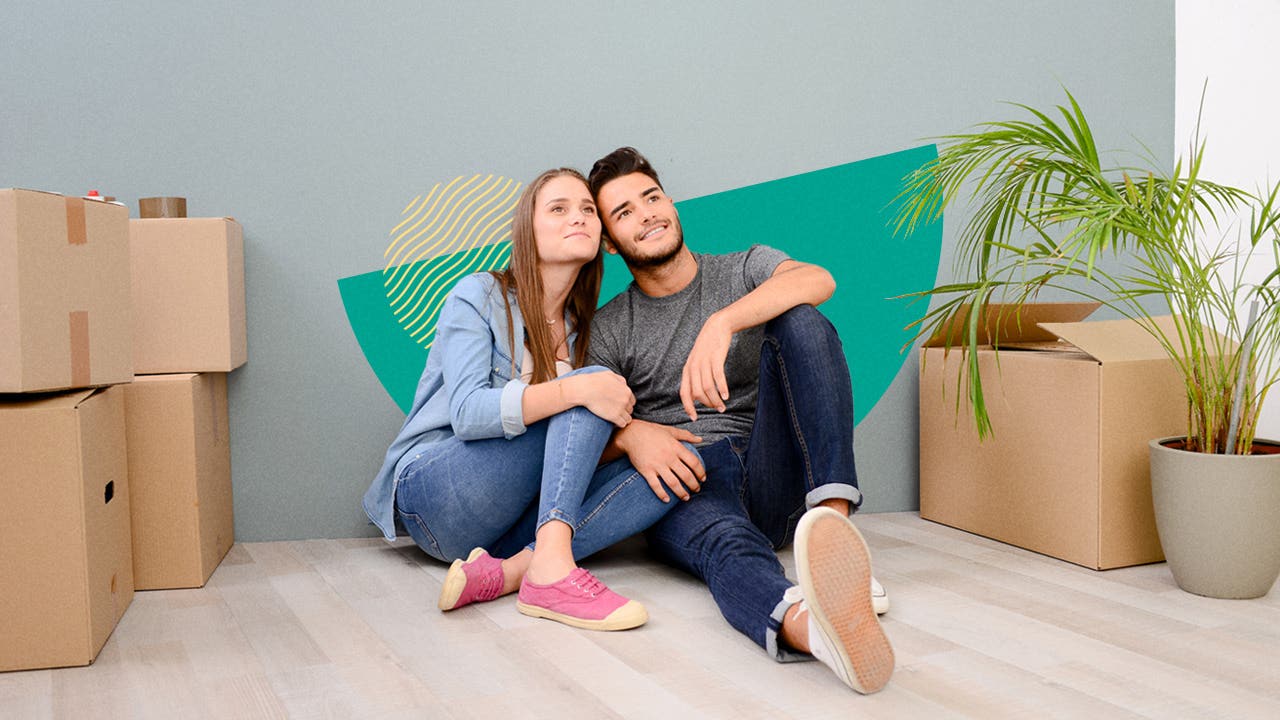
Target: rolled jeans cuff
(771,644)
(555,514)
(832,491)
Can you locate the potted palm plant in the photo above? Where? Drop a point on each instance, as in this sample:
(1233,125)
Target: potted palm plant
(1051,214)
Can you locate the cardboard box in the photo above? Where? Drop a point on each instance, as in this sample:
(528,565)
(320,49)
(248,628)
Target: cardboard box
(188,295)
(66,566)
(1073,406)
(179,478)
(64,293)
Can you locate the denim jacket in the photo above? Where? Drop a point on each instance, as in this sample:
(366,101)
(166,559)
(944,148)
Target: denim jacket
(467,388)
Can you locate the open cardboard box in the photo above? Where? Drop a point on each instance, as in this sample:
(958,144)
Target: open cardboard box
(1073,406)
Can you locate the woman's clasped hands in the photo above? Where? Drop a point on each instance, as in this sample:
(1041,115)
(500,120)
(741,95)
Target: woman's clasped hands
(604,393)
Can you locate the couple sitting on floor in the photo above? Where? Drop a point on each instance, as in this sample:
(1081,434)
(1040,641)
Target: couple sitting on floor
(709,404)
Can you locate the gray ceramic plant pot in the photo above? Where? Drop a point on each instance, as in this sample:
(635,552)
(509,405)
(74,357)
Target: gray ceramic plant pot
(1219,519)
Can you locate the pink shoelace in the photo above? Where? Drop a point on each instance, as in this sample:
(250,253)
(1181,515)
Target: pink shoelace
(586,582)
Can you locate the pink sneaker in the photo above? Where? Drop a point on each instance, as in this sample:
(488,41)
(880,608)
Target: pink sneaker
(582,601)
(478,579)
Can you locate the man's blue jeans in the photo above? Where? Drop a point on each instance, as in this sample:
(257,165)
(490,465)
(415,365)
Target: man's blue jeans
(494,493)
(799,453)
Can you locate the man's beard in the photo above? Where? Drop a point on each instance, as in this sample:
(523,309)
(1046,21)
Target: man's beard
(646,262)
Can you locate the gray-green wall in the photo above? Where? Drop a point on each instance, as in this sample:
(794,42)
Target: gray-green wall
(315,123)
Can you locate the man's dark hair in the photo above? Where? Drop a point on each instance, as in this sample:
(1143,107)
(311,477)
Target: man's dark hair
(623,161)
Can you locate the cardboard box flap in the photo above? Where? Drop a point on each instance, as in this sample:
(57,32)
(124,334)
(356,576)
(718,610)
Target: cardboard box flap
(47,401)
(1021,325)
(1114,340)
(163,377)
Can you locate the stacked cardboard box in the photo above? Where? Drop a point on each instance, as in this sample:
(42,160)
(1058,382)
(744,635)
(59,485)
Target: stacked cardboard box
(126,486)
(189,331)
(65,318)
(188,295)
(66,568)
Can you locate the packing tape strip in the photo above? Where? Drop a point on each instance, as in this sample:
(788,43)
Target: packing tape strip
(80,375)
(76,234)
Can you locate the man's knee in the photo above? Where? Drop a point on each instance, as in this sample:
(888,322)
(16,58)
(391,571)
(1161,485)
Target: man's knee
(804,326)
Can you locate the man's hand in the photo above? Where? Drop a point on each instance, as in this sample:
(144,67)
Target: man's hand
(702,379)
(655,451)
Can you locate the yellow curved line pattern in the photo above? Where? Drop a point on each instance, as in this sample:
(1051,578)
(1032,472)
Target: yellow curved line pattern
(413,284)
(500,261)
(426,336)
(430,221)
(426,326)
(453,237)
(503,216)
(459,240)
(412,212)
(432,218)
(438,286)
(466,223)
(422,214)
(504,230)
(418,324)
(437,233)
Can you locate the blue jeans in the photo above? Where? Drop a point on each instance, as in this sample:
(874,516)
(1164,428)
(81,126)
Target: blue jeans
(495,493)
(799,453)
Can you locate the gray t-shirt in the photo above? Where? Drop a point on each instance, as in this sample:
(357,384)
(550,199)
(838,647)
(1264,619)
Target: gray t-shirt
(647,341)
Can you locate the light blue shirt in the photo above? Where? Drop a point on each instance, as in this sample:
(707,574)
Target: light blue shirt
(467,389)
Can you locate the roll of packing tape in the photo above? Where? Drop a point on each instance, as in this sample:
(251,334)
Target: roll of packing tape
(162,207)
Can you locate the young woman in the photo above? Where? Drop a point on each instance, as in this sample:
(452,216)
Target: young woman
(502,443)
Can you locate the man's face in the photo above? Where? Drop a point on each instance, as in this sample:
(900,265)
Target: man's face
(642,221)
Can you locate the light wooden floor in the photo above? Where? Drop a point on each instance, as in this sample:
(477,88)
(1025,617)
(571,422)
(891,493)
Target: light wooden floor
(349,629)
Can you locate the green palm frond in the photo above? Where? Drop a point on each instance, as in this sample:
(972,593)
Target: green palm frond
(1047,210)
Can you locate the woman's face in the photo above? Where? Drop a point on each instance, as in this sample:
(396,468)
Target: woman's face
(566,225)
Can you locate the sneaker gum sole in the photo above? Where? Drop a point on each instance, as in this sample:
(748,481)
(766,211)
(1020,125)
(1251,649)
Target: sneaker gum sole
(863,644)
(631,615)
(455,581)
(880,603)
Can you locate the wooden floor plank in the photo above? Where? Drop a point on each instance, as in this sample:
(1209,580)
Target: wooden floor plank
(349,629)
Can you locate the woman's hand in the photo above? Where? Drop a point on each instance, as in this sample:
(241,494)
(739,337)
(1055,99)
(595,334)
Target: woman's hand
(603,393)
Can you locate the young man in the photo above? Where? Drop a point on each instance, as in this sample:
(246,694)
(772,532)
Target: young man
(728,352)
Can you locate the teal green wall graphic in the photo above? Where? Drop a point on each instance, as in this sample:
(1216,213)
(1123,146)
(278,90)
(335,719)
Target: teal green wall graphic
(837,218)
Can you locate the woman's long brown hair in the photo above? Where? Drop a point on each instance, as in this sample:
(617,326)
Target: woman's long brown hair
(522,275)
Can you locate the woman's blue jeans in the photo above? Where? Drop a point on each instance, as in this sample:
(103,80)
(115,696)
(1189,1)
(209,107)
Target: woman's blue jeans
(799,453)
(495,493)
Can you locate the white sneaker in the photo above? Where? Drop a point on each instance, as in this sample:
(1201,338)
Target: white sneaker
(835,584)
(879,598)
